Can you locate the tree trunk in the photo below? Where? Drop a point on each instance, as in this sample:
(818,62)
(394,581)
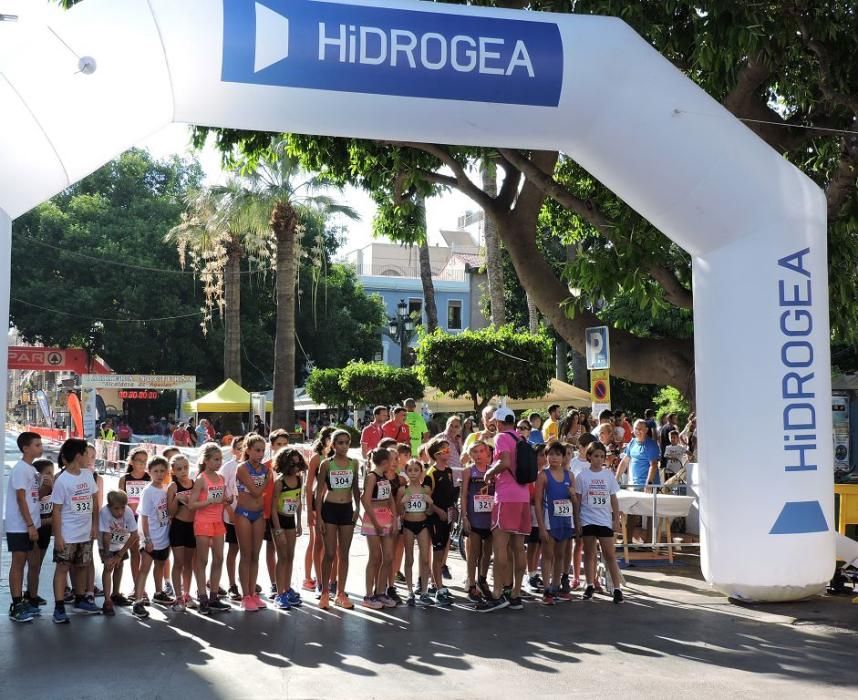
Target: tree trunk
(532,314)
(426,273)
(561,366)
(284,224)
(579,370)
(232,313)
(494,267)
(642,360)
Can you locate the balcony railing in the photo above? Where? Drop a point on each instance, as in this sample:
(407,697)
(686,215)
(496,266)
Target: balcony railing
(407,271)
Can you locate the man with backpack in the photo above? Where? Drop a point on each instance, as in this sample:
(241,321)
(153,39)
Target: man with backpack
(513,470)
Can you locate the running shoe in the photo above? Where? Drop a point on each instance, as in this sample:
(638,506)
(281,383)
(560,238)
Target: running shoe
(399,578)
(120,600)
(248,604)
(178,606)
(32,607)
(258,588)
(273,592)
(547,598)
(618,596)
(564,583)
(425,600)
(309,584)
(204,605)
(144,599)
(515,603)
(68,596)
(233,593)
(491,604)
(218,606)
(443,597)
(445,572)
(281,602)
(189,602)
(386,600)
(107,609)
(161,598)
(168,589)
(86,607)
(324,600)
(474,594)
(535,584)
(98,593)
(59,617)
(332,588)
(562,597)
(411,601)
(220,592)
(485,589)
(576,584)
(318,592)
(139,611)
(342,601)
(430,589)
(372,602)
(19,612)
(588,593)
(294,597)
(394,596)
(36,600)
(260,604)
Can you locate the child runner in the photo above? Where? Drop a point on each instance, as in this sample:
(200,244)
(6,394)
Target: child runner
(578,464)
(168,454)
(555,487)
(395,473)
(75,527)
(415,503)
(91,590)
(286,521)
(117,530)
(439,479)
(377,527)
(336,516)
(183,542)
(596,491)
(208,500)
(22,526)
(135,479)
(45,467)
(155,541)
(227,471)
(277,440)
(250,480)
(478,497)
(322,449)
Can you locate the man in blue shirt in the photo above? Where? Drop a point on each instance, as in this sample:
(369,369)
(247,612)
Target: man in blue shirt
(641,457)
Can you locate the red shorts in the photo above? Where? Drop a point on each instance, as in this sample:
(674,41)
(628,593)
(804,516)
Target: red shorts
(204,529)
(511,517)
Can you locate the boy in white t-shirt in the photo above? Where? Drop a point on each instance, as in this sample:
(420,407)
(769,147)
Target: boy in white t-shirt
(117,530)
(22,526)
(75,527)
(596,492)
(578,464)
(675,455)
(155,529)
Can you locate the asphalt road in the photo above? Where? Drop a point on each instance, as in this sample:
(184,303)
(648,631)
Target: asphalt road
(673,637)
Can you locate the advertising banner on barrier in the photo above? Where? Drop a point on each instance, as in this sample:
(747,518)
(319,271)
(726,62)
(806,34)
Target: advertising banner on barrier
(90,412)
(42,400)
(138,381)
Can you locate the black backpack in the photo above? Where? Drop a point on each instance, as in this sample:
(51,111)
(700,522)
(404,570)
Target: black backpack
(526,469)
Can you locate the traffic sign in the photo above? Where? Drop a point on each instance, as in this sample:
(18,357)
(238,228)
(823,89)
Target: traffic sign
(385,51)
(600,387)
(598,348)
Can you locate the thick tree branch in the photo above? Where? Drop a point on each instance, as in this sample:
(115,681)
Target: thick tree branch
(842,185)
(823,56)
(511,183)
(675,292)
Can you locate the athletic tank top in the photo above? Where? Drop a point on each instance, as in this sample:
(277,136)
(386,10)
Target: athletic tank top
(287,503)
(258,476)
(134,487)
(556,502)
(382,489)
(416,502)
(212,513)
(341,478)
(479,502)
(180,489)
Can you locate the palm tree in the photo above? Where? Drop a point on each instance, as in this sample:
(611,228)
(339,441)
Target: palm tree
(494,266)
(278,196)
(214,235)
(426,268)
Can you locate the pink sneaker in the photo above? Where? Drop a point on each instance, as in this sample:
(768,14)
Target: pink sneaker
(248,604)
(260,604)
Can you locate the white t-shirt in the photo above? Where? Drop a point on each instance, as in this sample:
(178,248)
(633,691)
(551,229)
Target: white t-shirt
(153,504)
(120,529)
(676,456)
(227,471)
(578,465)
(76,494)
(596,489)
(23,477)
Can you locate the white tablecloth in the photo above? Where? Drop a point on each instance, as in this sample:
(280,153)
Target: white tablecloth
(639,503)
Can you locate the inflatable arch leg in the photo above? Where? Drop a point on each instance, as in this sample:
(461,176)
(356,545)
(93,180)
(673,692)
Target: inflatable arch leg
(754,226)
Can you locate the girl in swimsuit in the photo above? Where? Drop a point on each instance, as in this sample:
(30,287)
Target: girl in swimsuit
(415,503)
(250,480)
(286,521)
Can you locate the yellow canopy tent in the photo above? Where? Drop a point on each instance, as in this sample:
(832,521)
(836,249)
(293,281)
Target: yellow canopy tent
(229,397)
(559,393)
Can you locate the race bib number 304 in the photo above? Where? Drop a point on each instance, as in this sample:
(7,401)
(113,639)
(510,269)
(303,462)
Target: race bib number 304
(341,478)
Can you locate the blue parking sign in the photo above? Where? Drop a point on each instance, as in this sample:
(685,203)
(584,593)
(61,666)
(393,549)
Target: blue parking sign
(598,348)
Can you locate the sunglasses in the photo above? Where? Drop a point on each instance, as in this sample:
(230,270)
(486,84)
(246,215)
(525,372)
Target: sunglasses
(443,451)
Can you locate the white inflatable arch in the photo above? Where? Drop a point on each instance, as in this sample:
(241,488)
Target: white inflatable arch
(77,88)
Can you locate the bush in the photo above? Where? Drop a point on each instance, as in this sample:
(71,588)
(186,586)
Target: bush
(376,384)
(323,386)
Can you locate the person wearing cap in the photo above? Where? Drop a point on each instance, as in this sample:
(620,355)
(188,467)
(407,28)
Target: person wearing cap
(510,518)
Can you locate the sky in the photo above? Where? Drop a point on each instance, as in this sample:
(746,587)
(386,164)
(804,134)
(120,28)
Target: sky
(441,212)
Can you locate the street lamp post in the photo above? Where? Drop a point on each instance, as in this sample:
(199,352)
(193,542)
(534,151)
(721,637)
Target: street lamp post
(400,328)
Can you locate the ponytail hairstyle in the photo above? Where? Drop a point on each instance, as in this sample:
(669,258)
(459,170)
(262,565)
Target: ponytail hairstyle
(175,459)
(206,451)
(379,456)
(70,449)
(249,441)
(322,445)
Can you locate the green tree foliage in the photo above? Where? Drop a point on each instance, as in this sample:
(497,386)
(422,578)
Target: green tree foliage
(488,362)
(323,386)
(671,400)
(374,383)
